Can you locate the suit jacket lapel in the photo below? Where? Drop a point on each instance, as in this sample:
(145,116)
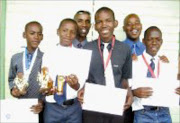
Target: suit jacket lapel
(37,65)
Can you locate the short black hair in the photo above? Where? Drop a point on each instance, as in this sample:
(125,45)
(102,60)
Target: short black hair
(150,28)
(68,20)
(33,22)
(132,14)
(105,9)
(82,12)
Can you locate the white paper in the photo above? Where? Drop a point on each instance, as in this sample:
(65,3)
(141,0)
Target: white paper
(163,92)
(18,110)
(65,61)
(104,99)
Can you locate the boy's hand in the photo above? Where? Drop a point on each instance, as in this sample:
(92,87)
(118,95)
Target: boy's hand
(129,99)
(81,95)
(17,93)
(142,92)
(48,91)
(37,108)
(72,80)
(164,59)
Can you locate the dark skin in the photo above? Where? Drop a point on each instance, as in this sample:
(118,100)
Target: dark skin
(84,23)
(33,35)
(133,27)
(105,24)
(153,41)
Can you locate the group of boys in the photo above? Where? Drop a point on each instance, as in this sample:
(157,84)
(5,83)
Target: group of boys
(72,33)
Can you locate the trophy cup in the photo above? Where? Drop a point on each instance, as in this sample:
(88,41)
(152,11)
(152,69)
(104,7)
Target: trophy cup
(44,79)
(60,84)
(21,82)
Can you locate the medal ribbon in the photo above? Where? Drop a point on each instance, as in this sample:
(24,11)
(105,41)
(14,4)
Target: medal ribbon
(150,69)
(110,53)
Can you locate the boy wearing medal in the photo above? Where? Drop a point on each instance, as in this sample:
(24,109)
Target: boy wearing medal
(25,66)
(119,61)
(61,104)
(151,67)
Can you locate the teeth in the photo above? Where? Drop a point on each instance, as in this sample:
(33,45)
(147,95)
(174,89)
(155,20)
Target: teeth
(105,31)
(134,31)
(83,30)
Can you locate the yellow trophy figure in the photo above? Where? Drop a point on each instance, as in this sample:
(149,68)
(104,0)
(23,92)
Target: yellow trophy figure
(21,82)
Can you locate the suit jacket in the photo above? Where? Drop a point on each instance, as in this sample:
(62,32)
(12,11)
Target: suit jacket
(120,59)
(16,66)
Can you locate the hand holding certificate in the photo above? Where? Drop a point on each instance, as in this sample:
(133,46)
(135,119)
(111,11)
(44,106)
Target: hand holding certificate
(162,92)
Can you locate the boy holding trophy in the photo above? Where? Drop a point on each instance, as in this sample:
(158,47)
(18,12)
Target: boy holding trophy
(24,66)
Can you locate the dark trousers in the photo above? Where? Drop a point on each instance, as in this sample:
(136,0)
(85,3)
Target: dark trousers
(96,117)
(128,116)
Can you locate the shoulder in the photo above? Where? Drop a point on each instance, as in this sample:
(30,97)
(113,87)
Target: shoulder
(17,55)
(121,45)
(91,45)
(40,52)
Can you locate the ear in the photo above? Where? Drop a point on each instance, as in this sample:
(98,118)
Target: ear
(24,35)
(115,23)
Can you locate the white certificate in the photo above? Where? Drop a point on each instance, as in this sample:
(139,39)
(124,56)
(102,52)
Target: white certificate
(18,110)
(100,98)
(163,92)
(65,61)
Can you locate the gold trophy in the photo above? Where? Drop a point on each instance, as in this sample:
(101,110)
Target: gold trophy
(44,79)
(21,82)
(60,84)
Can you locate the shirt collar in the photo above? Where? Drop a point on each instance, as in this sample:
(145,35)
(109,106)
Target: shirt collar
(130,42)
(76,42)
(149,57)
(27,52)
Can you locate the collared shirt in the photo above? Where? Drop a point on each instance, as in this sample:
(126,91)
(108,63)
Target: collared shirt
(140,70)
(28,58)
(139,46)
(76,43)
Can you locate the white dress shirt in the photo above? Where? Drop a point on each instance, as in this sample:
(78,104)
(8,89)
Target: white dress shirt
(140,70)
(49,61)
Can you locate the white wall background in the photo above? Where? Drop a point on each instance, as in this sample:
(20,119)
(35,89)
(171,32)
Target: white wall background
(164,14)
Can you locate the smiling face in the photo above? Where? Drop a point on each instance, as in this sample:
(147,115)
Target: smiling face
(153,41)
(83,20)
(67,32)
(132,27)
(105,24)
(33,35)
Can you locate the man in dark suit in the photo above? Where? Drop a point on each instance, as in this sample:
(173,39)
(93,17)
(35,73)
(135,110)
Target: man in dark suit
(27,64)
(120,57)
